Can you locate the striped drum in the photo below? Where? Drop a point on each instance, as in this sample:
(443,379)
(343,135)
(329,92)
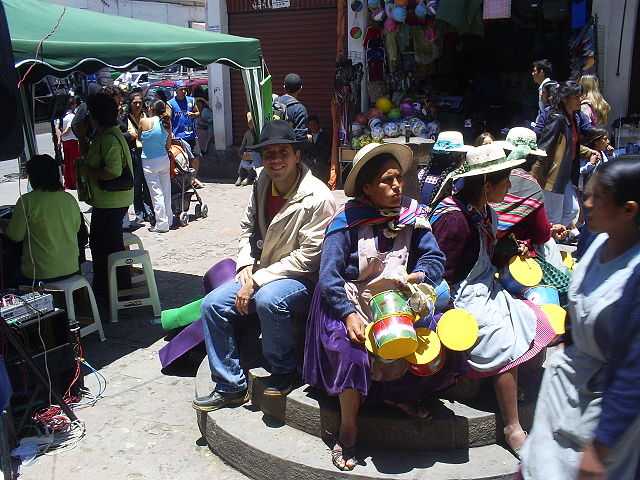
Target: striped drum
(542,295)
(394,336)
(429,357)
(390,302)
(520,274)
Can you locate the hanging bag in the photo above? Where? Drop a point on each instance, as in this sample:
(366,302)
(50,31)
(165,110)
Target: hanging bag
(122,183)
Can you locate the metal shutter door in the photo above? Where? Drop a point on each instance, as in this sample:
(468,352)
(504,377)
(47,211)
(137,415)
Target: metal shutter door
(302,41)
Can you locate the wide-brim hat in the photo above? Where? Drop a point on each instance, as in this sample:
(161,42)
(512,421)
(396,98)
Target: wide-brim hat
(276,132)
(402,153)
(485,159)
(450,141)
(518,136)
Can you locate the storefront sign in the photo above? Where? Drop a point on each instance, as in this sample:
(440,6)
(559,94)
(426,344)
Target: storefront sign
(214,28)
(280,3)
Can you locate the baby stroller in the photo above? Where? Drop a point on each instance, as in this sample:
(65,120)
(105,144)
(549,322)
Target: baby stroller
(182,190)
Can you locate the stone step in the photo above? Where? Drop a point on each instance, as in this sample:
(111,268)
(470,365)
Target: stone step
(266,449)
(453,425)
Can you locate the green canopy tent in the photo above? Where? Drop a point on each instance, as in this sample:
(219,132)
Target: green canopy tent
(50,39)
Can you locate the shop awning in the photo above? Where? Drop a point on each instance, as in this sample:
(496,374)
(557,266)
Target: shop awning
(73,39)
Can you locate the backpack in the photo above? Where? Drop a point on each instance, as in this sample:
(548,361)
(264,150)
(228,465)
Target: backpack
(279,109)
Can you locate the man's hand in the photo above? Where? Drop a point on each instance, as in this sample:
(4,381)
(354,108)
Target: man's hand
(245,275)
(245,294)
(355,328)
(592,463)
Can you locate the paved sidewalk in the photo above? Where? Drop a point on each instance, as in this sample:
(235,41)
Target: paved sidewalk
(144,427)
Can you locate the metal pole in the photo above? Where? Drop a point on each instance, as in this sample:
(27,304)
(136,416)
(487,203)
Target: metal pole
(624,14)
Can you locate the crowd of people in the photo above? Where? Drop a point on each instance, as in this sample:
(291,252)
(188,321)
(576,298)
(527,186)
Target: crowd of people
(305,265)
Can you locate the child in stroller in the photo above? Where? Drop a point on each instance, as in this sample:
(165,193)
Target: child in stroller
(182,177)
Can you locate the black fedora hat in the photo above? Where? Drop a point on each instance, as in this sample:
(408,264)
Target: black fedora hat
(276,132)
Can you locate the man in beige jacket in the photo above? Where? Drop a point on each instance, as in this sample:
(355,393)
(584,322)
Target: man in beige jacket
(278,259)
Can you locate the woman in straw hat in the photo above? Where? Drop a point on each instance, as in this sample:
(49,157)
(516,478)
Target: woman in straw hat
(511,330)
(377,241)
(587,419)
(522,212)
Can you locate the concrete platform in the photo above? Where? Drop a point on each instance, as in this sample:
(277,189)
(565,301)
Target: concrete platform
(291,438)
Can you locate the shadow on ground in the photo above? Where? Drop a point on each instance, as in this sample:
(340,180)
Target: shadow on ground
(133,331)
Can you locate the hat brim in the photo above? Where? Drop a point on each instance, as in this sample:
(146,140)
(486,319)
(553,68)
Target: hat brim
(491,168)
(510,146)
(276,141)
(461,149)
(402,153)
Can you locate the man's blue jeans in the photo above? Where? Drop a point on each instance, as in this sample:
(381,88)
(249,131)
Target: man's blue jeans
(276,305)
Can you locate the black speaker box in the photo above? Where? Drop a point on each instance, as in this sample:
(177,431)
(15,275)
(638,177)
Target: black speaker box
(12,138)
(51,98)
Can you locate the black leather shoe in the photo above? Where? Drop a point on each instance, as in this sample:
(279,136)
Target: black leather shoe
(280,384)
(217,400)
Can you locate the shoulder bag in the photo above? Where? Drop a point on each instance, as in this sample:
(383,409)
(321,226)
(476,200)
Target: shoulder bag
(124,181)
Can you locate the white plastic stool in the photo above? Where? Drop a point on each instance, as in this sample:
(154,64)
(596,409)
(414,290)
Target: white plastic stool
(129,239)
(127,259)
(70,285)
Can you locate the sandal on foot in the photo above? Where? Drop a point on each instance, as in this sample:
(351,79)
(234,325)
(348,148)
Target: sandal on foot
(413,410)
(339,451)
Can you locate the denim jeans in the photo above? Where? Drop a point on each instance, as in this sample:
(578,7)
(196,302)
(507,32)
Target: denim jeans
(275,305)
(561,208)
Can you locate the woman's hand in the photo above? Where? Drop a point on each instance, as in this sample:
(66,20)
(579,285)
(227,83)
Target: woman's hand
(592,463)
(523,249)
(559,231)
(355,327)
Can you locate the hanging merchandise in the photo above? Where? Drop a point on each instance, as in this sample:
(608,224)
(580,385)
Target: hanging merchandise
(583,52)
(432,7)
(421,10)
(401,3)
(375,60)
(579,14)
(495,9)
(356,31)
(390,25)
(399,14)
(388,9)
(430,34)
(356,6)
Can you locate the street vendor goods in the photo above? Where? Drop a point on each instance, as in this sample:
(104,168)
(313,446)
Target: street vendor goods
(429,356)
(458,330)
(520,274)
(395,336)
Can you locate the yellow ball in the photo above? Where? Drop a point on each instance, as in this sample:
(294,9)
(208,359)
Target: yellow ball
(384,104)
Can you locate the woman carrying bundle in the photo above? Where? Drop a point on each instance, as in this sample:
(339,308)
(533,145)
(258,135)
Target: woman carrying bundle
(377,241)
(511,330)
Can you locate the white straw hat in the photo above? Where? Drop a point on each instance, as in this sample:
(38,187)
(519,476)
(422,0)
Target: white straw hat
(450,141)
(518,136)
(485,159)
(402,153)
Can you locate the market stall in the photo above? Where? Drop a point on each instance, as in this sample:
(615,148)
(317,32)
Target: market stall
(463,65)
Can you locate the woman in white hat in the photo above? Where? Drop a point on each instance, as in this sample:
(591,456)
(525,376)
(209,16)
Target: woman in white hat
(447,155)
(378,241)
(511,330)
(522,212)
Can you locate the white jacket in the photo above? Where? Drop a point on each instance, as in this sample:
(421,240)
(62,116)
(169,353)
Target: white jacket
(291,243)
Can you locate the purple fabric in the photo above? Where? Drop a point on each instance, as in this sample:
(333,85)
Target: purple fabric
(220,273)
(187,339)
(333,363)
(193,335)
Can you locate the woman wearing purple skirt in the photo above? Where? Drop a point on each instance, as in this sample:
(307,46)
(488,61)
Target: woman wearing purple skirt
(377,241)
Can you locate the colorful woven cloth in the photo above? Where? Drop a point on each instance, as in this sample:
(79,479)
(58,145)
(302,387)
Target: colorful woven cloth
(524,197)
(483,222)
(358,211)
